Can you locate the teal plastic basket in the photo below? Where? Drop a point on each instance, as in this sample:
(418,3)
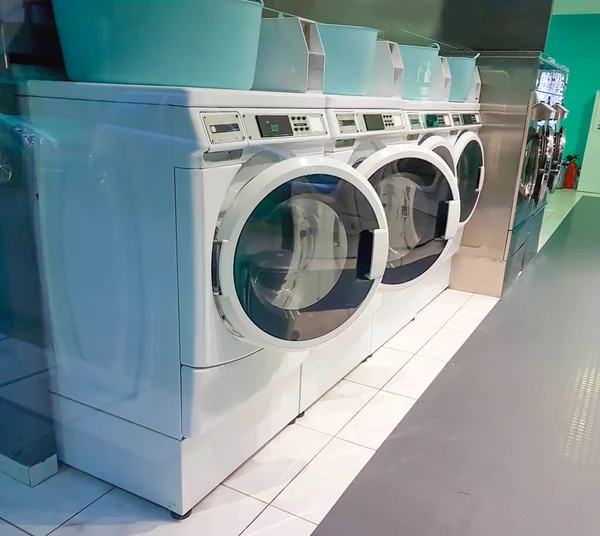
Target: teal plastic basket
(196,43)
(420,64)
(462,71)
(349,57)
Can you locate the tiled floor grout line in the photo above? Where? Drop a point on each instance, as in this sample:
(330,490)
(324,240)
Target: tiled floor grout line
(17,527)
(295,515)
(77,513)
(355,416)
(405,396)
(255,518)
(380,388)
(353,442)
(243,493)
(331,438)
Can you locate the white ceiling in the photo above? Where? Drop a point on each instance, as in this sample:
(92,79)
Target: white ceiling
(568,7)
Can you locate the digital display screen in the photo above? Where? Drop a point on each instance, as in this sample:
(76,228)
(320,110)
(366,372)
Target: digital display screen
(434,121)
(469,119)
(220,129)
(273,126)
(347,123)
(374,122)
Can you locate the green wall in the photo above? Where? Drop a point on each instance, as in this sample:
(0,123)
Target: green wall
(573,40)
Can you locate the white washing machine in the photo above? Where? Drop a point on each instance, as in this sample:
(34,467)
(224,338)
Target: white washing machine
(454,135)
(418,189)
(449,130)
(195,245)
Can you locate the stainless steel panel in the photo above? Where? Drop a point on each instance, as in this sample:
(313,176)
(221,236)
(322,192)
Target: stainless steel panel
(508,102)
(477,274)
(502,136)
(514,266)
(533,238)
(476,24)
(517,237)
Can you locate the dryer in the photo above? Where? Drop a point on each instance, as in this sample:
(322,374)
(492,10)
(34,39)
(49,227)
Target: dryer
(470,160)
(414,176)
(195,246)
(452,131)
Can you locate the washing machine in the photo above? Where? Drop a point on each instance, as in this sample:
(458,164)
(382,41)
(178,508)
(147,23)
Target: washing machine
(418,189)
(195,246)
(456,127)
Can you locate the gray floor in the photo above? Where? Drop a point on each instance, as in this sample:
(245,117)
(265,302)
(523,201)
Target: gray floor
(506,441)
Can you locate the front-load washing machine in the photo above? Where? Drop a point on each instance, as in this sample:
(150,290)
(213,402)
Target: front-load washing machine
(195,245)
(457,132)
(450,130)
(470,159)
(418,190)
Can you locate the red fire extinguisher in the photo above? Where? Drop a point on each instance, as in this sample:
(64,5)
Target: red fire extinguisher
(571,174)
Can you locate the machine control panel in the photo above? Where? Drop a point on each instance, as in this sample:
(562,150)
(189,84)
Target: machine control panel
(471,119)
(284,125)
(223,127)
(436,120)
(347,123)
(415,122)
(381,121)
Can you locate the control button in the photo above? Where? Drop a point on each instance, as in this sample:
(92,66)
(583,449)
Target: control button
(304,118)
(296,129)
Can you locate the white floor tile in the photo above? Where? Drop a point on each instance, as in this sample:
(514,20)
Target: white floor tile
(380,368)
(224,512)
(438,312)
(458,297)
(275,522)
(479,301)
(336,407)
(444,344)
(552,223)
(413,337)
(467,319)
(274,467)
(415,377)
(318,487)
(6,529)
(377,420)
(41,509)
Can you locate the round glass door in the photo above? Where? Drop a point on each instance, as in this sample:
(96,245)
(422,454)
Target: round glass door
(559,150)
(469,173)
(531,166)
(546,152)
(303,258)
(417,192)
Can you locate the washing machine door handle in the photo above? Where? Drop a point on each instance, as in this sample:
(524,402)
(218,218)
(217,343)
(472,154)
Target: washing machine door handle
(481,178)
(453,219)
(379,253)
